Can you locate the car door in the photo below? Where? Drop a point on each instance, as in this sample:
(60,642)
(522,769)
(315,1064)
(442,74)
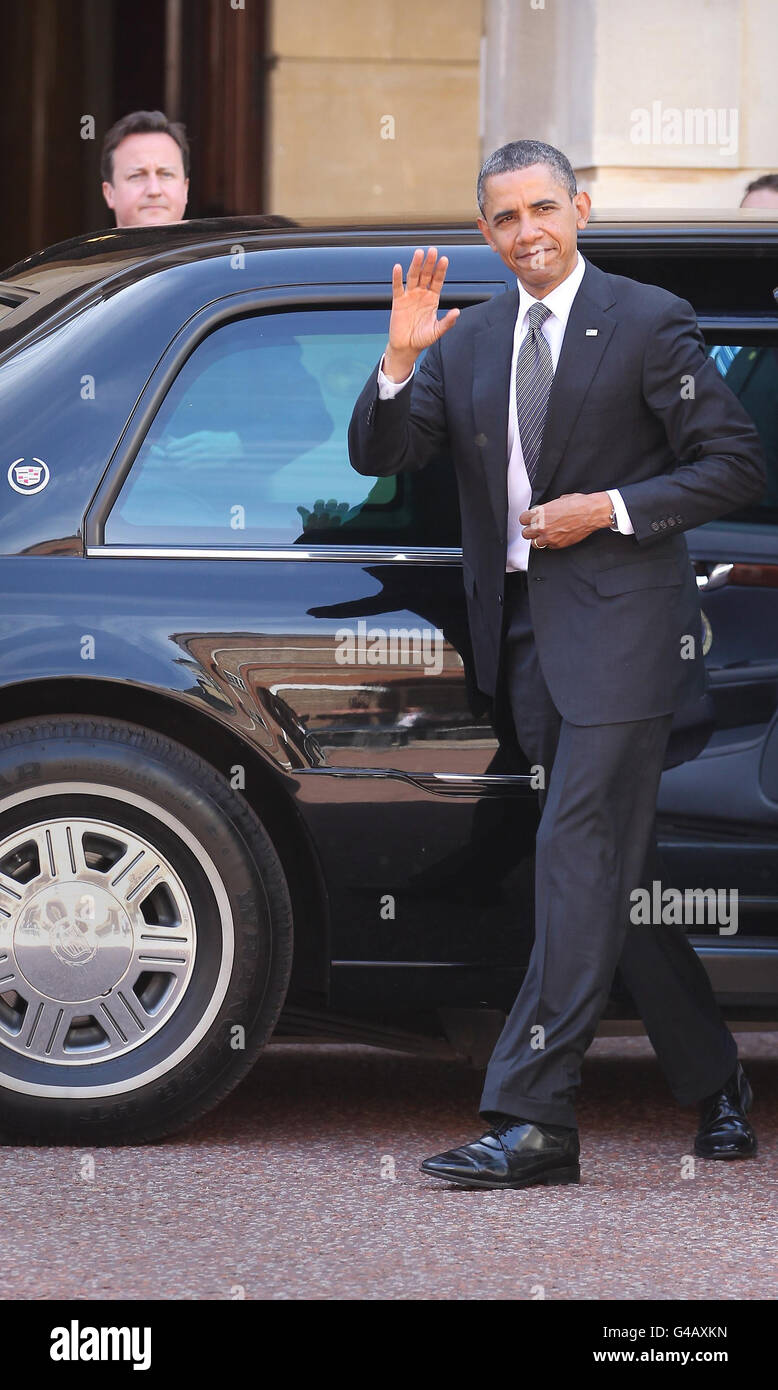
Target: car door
(325,611)
(719,813)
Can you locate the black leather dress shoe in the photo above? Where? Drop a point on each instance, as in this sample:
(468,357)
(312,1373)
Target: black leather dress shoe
(516,1153)
(724,1130)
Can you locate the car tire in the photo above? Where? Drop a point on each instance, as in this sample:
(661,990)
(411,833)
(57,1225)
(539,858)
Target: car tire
(145,934)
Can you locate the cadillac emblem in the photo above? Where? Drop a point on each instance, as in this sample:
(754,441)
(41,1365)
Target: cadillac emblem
(28,476)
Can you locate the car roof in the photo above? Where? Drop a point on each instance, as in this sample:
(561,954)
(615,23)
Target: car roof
(128,244)
(44,284)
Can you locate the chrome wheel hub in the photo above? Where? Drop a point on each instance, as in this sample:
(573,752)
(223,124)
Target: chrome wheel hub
(72,942)
(97,940)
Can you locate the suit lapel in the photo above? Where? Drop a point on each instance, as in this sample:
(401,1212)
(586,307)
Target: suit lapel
(492,352)
(578,361)
(741,369)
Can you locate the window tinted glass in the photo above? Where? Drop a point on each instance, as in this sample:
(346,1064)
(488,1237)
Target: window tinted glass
(250,448)
(752,373)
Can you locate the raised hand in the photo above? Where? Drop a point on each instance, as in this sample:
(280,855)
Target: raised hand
(414,324)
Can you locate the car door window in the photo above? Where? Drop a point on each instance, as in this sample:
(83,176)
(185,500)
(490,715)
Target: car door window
(249,446)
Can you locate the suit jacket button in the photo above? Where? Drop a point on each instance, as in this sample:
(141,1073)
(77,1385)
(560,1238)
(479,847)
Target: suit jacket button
(499,599)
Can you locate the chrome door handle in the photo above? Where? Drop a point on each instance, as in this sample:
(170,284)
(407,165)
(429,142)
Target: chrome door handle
(716,578)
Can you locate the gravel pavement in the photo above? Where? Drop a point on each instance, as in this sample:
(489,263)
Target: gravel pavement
(304,1184)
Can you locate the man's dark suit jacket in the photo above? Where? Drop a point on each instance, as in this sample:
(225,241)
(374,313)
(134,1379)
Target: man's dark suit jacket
(635,404)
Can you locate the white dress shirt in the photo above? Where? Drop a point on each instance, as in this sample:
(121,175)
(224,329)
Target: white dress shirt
(560,302)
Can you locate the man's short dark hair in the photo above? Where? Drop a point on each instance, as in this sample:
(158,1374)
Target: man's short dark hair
(764,181)
(142,123)
(521,154)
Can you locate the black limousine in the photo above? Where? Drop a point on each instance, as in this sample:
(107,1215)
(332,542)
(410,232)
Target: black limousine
(248,786)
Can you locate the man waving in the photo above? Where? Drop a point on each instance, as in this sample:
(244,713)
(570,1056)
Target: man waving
(588,430)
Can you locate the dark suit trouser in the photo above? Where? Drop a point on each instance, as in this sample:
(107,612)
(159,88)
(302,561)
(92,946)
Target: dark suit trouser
(596,842)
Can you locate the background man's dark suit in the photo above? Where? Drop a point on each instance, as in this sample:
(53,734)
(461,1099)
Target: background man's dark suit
(634,405)
(753,376)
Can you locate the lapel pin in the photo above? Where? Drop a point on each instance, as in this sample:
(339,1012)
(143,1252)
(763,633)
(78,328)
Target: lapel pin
(591,332)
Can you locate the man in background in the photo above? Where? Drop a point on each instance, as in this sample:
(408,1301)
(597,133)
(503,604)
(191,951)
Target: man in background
(145,169)
(751,371)
(761,193)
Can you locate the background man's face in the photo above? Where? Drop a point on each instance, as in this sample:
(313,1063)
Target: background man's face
(532,222)
(761,198)
(148,185)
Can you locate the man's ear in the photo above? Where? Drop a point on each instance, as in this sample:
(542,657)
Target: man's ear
(583,205)
(483,227)
(108,194)
(186,186)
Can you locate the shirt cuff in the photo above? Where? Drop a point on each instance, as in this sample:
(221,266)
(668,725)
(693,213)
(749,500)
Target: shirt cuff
(387,389)
(622,515)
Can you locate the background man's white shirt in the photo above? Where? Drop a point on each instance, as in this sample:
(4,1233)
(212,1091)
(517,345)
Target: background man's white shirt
(560,302)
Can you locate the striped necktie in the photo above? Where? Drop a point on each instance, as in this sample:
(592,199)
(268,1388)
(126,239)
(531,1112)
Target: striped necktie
(724,355)
(534,375)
